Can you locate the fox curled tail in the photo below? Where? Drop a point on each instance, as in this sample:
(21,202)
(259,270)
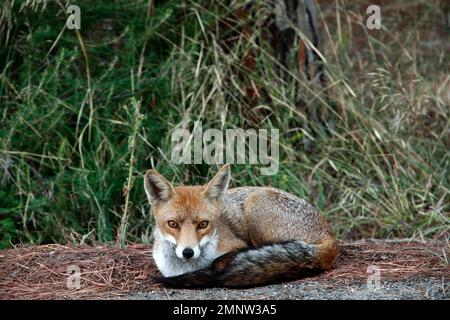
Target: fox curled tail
(272,263)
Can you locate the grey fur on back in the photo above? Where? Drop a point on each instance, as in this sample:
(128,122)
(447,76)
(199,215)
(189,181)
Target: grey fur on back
(291,216)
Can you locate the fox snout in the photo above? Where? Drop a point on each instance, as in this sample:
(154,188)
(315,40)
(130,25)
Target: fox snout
(188,252)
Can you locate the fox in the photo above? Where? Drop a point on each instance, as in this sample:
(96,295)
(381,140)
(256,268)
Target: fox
(215,236)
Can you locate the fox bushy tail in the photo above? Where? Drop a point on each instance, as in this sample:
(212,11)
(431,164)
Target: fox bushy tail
(271,263)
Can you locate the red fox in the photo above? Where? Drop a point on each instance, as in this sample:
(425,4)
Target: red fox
(212,236)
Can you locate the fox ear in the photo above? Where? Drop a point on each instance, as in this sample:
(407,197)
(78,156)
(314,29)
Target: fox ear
(215,189)
(157,188)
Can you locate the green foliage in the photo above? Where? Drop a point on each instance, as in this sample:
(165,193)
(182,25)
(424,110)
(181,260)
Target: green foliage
(379,166)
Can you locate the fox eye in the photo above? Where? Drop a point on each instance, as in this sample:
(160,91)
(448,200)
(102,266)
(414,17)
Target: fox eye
(172,224)
(203,224)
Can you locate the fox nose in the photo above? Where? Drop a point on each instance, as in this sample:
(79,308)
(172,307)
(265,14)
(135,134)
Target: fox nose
(188,253)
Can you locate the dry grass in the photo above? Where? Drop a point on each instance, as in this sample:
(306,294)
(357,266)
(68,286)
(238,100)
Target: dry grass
(397,260)
(40,272)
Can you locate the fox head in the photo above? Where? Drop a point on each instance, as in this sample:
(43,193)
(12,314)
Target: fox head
(187,216)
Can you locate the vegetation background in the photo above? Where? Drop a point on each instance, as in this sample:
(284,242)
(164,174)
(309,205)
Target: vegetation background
(84,114)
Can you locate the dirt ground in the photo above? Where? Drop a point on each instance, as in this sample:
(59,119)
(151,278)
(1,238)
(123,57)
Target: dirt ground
(412,289)
(407,270)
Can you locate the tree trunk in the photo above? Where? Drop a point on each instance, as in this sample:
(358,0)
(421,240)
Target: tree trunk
(293,34)
(296,39)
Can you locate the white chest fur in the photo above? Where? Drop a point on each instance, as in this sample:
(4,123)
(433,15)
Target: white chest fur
(170,265)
